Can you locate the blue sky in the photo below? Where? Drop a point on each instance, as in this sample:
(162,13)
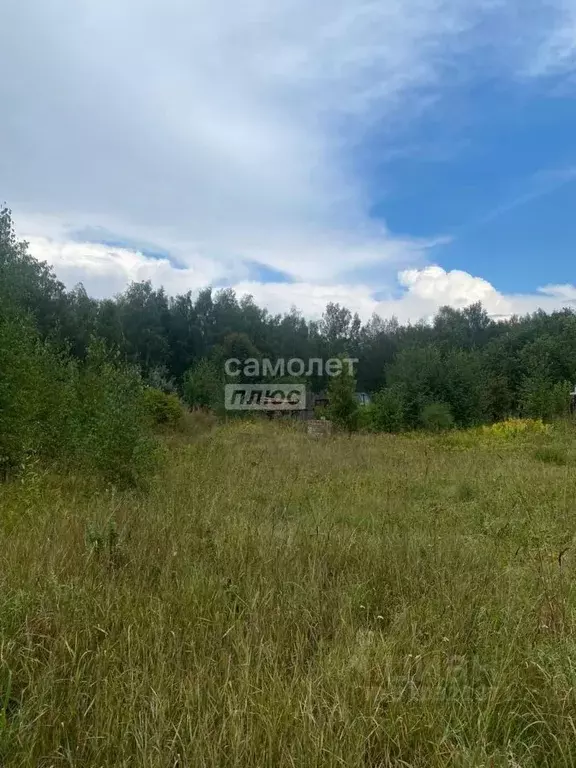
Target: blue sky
(392,155)
(503,189)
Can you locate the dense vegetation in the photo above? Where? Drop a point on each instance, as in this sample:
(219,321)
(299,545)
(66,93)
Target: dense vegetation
(462,366)
(83,406)
(273,600)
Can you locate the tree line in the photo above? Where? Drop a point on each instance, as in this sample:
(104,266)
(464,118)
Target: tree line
(468,365)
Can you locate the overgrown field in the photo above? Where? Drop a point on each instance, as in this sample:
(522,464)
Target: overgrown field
(279,601)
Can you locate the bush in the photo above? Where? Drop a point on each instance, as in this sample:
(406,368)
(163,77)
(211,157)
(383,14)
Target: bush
(343,408)
(112,428)
(511,428)
(203,387)
(437,417)
(159,378)
(36,390)
(366,418)
(162,408)
(387,411)
(543,399)
(68,413)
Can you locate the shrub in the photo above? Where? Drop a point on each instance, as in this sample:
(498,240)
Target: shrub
(387,411)
(543,399)
(203,386)
(366,418)
(159,378)
(343,406)
(112,430)
(511,428)
(437,417)
(65,412)
(162,408)
(36,390)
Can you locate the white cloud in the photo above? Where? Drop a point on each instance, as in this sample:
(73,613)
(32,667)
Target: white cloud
(218,129)
(222,131)
(106,271)
(457,288)
(565,293)
(423,292)
(432,287)
(310,299)
(556,47)
(419,292)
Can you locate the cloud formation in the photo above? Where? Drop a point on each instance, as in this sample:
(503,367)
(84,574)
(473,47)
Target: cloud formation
(224,132)
(419,293)
(556,50)
(213,127)
(423,292)
(217,127)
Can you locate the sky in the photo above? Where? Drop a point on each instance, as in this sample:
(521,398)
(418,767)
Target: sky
(394,156)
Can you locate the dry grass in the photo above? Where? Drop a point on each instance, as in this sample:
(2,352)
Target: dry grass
(279,601)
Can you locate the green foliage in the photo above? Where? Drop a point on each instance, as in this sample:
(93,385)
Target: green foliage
(162,408)
(431,374)
(111,425)
(437,417)
(29,286)
(415,373)
(366,418)
(34,395)
(321,412)
(544,399)
(483,369)
(387,411)
(159,378)
(343,408)
(496,398)
(203,387)
(67,412)
(143,313)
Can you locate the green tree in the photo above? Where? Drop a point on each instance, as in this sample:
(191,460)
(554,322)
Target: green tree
(36,395)
(335,326)
(203,386)
(144,315)
(544,399)
(416,373)
(28,285)
(184,335)
(437,417)
(111,422)
(388,411)
(433,373)
(343,408)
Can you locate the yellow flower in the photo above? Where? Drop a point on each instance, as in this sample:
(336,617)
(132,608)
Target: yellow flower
(512,427)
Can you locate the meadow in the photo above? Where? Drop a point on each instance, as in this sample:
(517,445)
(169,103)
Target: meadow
(275,600)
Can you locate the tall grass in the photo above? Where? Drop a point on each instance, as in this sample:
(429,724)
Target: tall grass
(280,601)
